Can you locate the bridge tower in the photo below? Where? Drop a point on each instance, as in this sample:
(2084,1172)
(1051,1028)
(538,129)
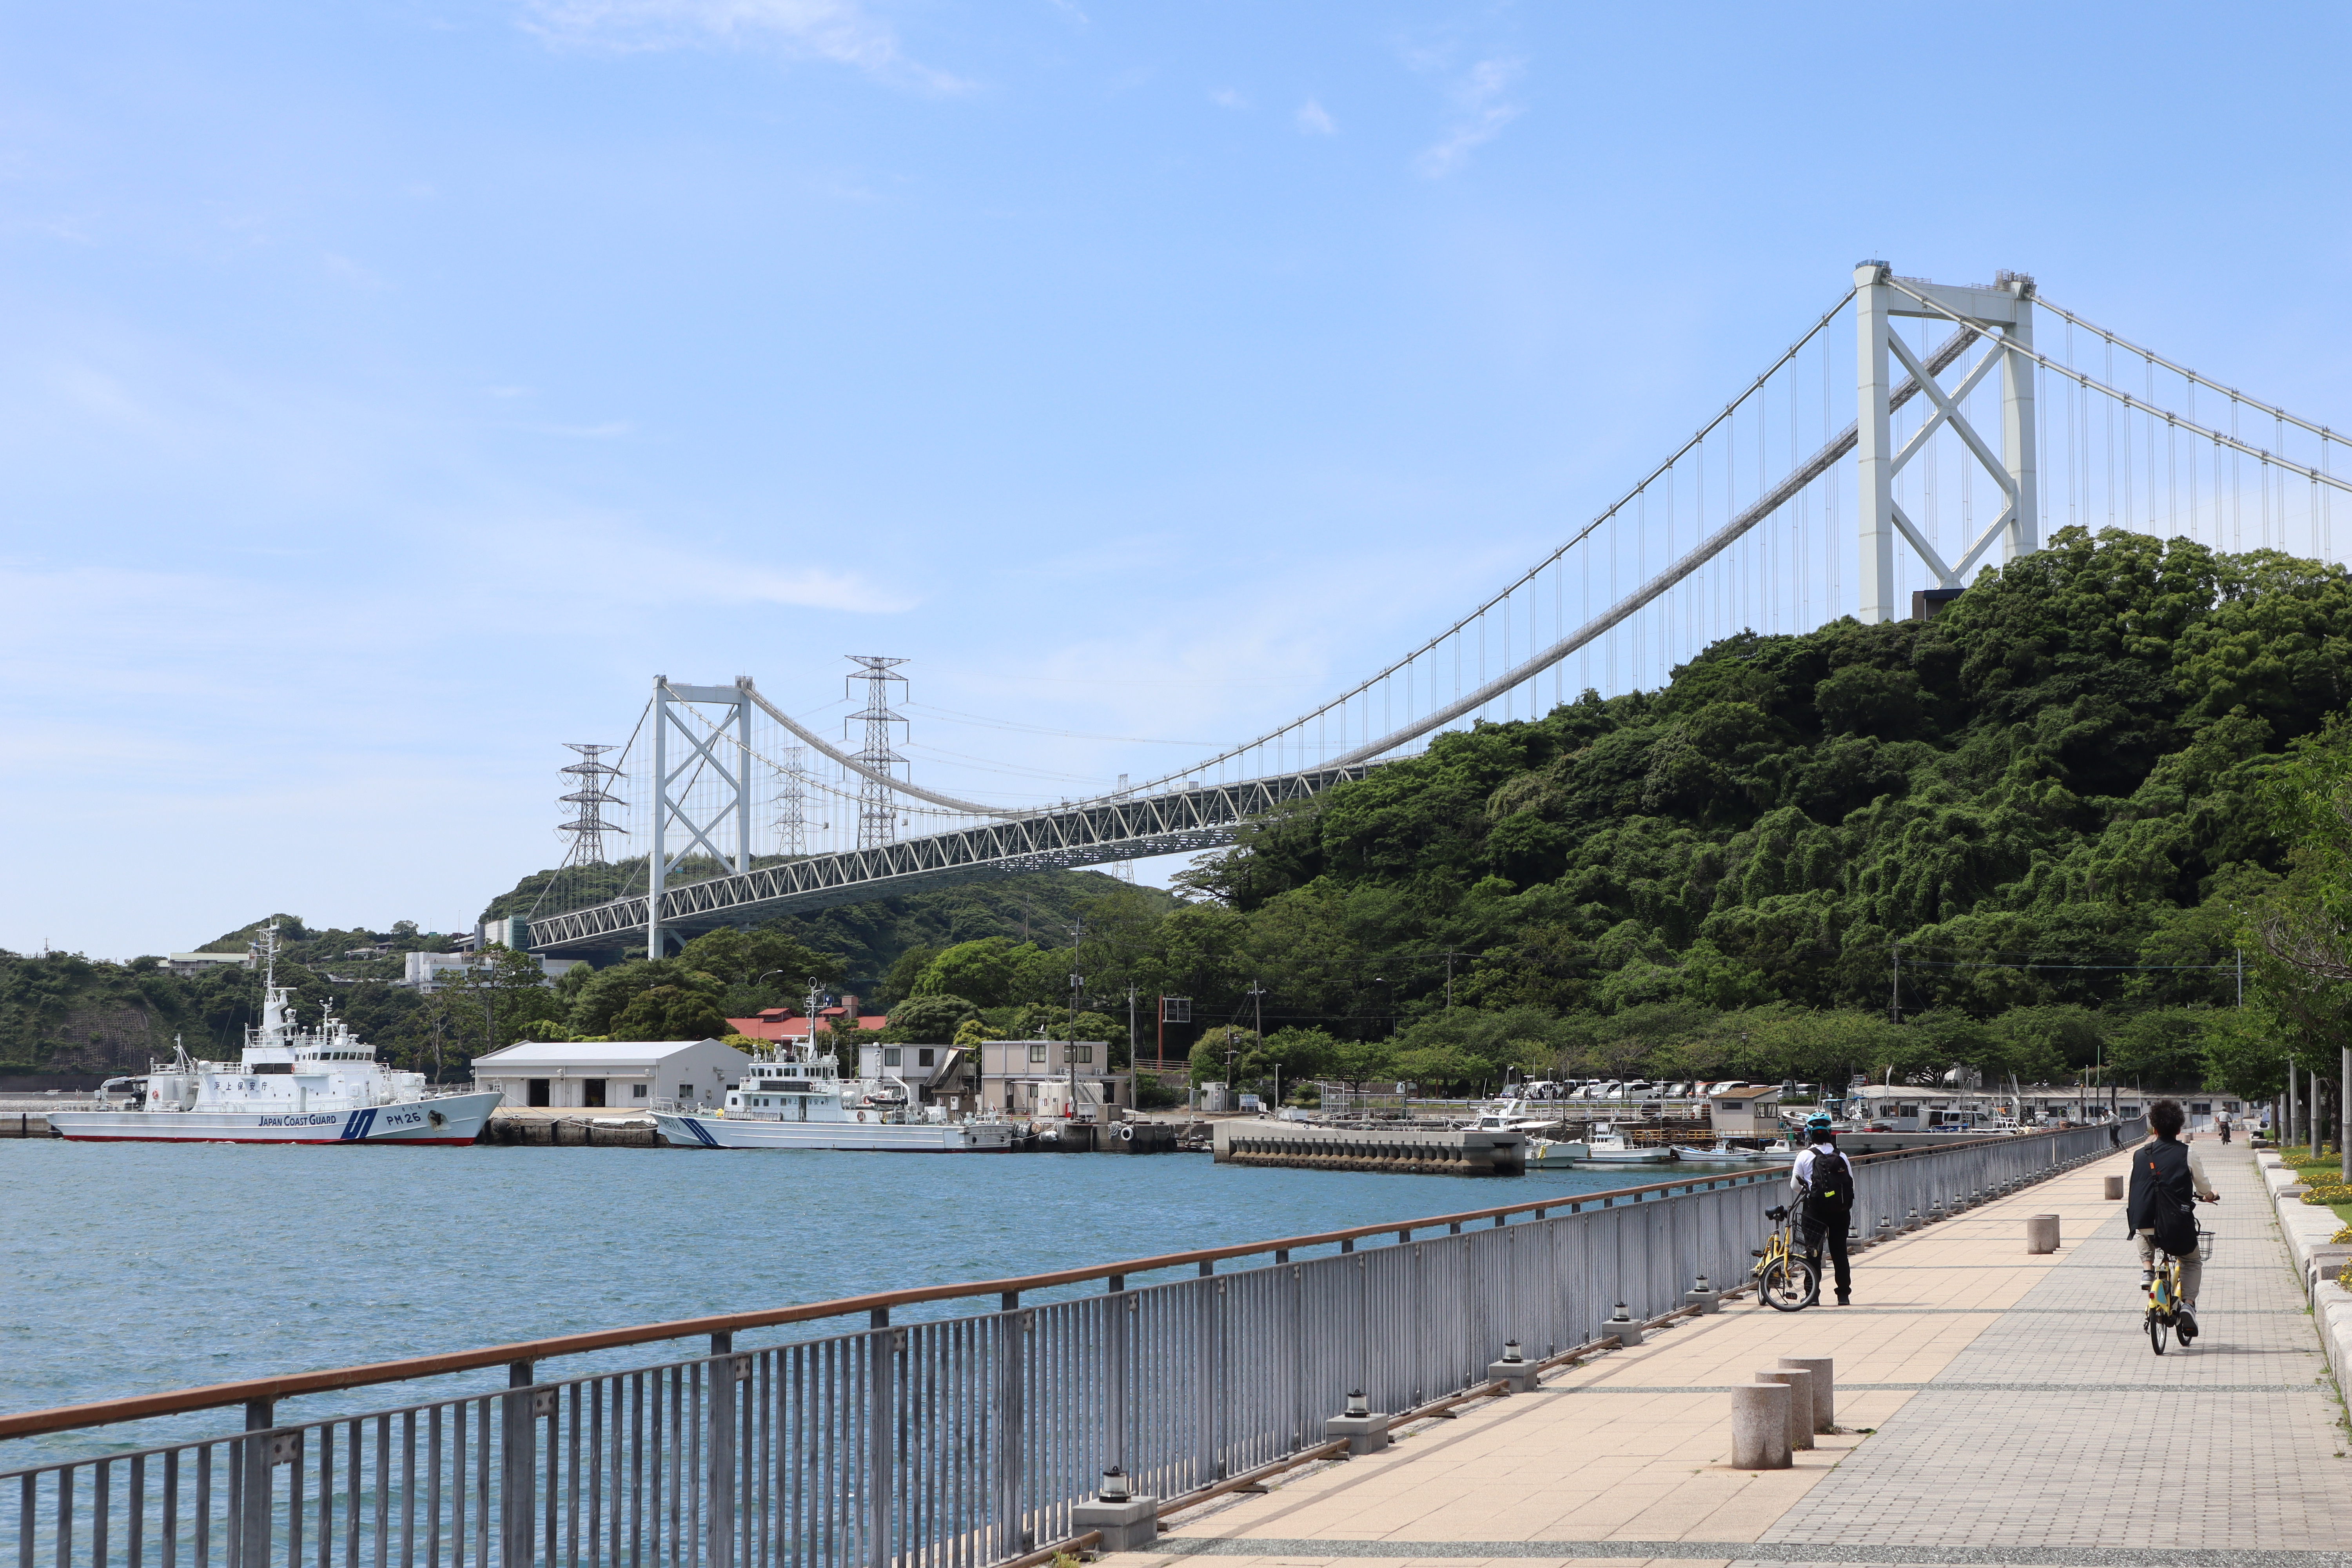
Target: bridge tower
(700,753)
(2007,308)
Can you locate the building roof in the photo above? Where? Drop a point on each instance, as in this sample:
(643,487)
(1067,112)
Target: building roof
(590,1053)
(766,1027)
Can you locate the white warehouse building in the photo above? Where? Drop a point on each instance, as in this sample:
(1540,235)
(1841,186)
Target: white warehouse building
(616,1075)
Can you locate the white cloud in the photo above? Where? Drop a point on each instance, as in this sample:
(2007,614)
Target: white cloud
(1481,97)
(1314,120)
(839,31)
(1226,98)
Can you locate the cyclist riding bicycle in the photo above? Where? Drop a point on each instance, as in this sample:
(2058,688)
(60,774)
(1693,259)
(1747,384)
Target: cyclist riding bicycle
(2167,1178)
(1824,1181)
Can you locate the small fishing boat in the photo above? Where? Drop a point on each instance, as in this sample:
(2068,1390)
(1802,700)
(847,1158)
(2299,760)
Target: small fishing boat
(1608,1147)
(1725,1154)
(1554,1154)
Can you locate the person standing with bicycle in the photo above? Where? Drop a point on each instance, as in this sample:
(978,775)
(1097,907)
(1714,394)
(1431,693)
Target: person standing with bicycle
(2166,1180)
(1822,1180)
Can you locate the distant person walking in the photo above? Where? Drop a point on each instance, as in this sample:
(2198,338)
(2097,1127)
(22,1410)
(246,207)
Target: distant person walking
(1824,1181)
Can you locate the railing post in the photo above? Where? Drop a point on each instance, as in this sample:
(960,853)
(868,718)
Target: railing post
(518,1466)
(250,1546)
(1206,1465)
(1011,1437)
(882,1436)
(1116,1315)
(719,1456)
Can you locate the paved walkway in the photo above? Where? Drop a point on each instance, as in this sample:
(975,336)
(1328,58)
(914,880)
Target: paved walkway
(2014,1414)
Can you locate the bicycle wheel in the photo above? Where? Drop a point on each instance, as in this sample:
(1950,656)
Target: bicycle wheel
(2158,1325)
(1788,1285)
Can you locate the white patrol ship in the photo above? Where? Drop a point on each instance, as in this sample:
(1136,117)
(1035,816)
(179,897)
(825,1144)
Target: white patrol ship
(291,1086)
(792,1097)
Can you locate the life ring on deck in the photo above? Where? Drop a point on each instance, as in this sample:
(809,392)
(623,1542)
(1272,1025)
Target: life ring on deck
(861,1116)
(1125,1133)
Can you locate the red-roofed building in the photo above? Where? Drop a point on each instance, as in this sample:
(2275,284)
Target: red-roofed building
(784,1023)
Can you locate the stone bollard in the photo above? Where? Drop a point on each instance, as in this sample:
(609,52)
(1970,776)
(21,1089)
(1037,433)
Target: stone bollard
(1704,1296)
(1366,1429)
(1760,1426)
(1801,1403)
(2041,1232)
(2115,1186)
(1824,1387)
(1127,1523)
(1622,1324)
(1515,1372)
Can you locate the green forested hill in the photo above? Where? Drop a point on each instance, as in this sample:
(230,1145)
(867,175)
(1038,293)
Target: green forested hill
(2064,767)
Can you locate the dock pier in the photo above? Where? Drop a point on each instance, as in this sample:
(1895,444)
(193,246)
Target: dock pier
(1406,1150)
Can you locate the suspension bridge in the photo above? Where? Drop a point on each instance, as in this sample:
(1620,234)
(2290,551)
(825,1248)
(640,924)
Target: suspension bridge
(1869,485)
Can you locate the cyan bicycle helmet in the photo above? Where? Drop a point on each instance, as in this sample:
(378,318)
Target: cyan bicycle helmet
(1818,1125)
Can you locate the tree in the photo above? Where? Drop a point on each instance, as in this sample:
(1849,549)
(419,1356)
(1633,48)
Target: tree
(928,1018)
(603,1000)
(495,1001)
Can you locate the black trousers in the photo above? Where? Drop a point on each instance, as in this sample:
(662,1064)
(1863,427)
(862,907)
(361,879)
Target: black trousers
(1834,1230)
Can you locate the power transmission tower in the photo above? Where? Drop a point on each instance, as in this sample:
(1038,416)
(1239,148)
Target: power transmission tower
(792,804)
(877,814)
(588,775)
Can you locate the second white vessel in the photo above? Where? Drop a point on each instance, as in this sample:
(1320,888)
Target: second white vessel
(792,1097)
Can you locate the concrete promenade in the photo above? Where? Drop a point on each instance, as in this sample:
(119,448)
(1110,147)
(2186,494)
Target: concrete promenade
(1998,1407)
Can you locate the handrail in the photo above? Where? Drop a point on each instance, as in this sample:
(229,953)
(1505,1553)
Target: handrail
(140,1407)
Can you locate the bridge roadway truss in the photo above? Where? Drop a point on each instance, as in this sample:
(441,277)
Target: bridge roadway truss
(1088,834)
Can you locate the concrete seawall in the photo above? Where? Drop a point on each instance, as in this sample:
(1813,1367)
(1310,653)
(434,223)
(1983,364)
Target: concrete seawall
(1407,1151)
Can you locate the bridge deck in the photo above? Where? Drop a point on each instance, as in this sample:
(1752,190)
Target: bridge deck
(2020,1417)
(1089,833)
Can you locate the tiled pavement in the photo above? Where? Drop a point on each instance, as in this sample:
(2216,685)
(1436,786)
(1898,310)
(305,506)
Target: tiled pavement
(2020,1414)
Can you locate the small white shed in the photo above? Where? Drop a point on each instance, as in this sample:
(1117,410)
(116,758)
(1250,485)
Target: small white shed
(616,1075)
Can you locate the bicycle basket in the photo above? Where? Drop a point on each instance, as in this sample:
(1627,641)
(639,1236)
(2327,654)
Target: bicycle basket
(2204,1245)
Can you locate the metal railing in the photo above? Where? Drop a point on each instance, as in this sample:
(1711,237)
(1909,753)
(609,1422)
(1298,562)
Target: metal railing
(954,1443)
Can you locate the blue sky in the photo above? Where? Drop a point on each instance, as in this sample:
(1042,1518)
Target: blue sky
(389,389)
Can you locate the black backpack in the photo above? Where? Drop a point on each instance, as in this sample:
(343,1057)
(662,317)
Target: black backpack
(2173,1222)
(1828,1188)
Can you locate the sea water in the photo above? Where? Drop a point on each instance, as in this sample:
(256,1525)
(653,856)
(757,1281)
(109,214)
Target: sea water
(138,1268)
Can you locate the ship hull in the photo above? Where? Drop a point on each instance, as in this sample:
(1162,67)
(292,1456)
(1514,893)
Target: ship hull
(869,1137)
(452,1119)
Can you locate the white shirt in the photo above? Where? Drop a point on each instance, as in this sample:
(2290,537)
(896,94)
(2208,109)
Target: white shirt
(1801,1174)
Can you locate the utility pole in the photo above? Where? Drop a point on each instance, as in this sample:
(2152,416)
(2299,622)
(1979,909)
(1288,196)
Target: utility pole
(1070,1041)
(1449,979)
(1257,1021)
(1130,1046)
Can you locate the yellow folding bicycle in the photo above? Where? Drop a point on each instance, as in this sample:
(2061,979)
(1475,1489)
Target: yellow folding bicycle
(1786,1280)
(2164,1294)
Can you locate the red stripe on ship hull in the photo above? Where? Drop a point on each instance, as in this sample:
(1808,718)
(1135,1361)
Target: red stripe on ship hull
(111,1138)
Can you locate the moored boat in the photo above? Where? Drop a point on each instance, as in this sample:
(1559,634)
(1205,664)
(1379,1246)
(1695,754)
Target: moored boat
(793,1098)
(289,1085)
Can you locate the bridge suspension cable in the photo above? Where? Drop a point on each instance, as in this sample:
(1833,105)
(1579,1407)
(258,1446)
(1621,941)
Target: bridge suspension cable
(2127,400)
(1502,598)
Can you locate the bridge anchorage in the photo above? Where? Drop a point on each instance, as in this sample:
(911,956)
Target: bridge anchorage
(1964,433)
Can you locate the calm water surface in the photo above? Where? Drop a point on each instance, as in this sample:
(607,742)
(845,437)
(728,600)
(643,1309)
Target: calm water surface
(131,1268)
